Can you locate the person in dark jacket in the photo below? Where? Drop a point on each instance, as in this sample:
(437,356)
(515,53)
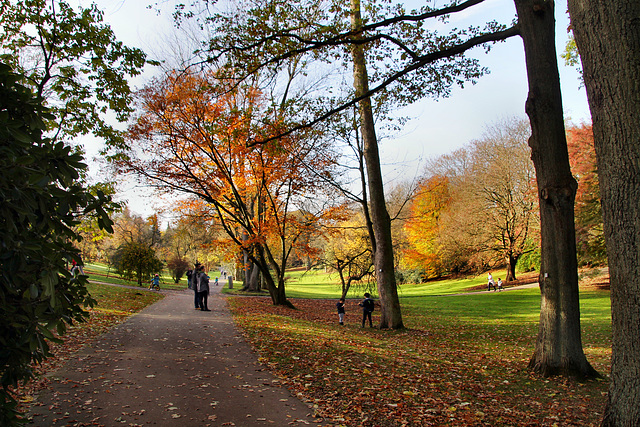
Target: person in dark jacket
(367,308)
(203,289)
(155,282)
(192,283)
(340,306)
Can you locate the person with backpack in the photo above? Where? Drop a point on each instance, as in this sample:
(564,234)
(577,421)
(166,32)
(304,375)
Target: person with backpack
(367,308)
(202,283)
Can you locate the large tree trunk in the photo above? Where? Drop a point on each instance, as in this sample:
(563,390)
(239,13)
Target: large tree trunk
(558,348)
(512,261)
(608,38)
(391,316)
(255,280)
(276,290)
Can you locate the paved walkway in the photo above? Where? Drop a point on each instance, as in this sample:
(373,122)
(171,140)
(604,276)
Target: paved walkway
(169,365)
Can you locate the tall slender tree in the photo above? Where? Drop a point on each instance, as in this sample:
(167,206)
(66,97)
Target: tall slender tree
(382,245)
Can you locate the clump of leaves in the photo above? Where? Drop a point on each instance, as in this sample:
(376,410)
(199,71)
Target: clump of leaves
(136,260)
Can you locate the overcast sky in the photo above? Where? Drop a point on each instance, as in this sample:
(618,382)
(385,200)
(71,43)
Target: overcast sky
(437,126)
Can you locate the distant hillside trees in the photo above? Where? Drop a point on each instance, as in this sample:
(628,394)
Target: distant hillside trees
(476,208)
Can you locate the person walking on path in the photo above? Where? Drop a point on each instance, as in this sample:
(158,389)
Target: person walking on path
(499,284)
(367,308)
(340,306)
(203,289)
(168,366)
(491,283)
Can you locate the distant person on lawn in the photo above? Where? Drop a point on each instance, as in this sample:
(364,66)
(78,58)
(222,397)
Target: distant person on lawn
(367,308)
(340,306)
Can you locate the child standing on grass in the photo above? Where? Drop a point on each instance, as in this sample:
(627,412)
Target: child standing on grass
(340,306)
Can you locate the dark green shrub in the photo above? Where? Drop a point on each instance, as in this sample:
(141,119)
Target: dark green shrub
(40,203)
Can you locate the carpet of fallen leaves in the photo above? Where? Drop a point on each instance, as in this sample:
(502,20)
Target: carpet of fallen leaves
(434,375)
(115,304)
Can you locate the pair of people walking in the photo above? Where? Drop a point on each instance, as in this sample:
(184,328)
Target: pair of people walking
(492,283)
(198,281)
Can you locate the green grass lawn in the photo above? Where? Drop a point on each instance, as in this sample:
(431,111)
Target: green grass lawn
(320,285)
(102,273)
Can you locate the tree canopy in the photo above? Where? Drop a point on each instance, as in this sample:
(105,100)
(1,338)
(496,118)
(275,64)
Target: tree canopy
(71,59)
(191,137)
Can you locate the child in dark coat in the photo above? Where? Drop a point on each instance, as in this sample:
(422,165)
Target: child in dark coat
(340,306)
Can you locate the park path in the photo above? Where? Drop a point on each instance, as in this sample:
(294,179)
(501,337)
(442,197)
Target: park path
(169,365)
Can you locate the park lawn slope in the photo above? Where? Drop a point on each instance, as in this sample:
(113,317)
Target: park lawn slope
(462,361)
(102,273)
(317,284)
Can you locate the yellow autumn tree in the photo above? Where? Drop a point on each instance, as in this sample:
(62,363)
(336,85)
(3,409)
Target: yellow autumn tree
(422,227)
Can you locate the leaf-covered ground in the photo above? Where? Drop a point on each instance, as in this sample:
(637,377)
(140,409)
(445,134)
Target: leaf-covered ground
(115,304)
(438,372)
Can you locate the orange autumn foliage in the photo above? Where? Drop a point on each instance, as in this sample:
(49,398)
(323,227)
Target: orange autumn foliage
(196,135)
(422,227)
(588,214)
